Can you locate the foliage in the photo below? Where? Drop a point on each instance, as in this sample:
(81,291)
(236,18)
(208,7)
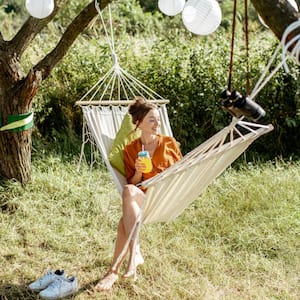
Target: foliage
(191,71)
(239,240)
(17,6)
(11,17)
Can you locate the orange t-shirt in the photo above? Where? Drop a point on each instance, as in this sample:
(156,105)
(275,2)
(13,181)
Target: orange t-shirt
(166,154)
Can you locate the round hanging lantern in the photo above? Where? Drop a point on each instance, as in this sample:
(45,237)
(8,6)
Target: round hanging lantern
(40,8)
(202,16)
(171,7)
(291,2)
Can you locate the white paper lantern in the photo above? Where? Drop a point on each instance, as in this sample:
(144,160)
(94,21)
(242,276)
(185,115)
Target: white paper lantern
(292,2)
(40,8)
(202,16)
(171,7)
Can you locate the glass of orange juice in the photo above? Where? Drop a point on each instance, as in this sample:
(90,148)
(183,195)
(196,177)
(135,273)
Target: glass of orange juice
(146,159)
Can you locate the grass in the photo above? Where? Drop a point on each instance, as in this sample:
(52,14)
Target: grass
(239,240)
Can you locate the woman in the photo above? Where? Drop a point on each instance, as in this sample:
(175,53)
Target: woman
(164,152)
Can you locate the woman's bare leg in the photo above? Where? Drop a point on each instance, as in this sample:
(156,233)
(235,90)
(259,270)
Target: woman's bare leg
(112,275)
(135,259)
(132,199)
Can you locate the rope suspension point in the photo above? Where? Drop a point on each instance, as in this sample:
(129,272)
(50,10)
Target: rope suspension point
(295,42)
(285,54)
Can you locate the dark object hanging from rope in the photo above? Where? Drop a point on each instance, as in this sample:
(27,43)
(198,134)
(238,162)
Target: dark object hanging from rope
(239,105)
(235,103)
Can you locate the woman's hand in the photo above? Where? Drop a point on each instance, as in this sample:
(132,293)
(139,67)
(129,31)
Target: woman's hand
(138,175)
(139,165)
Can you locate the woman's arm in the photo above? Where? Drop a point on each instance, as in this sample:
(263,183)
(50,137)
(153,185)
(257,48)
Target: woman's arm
(133,167)
(136,178)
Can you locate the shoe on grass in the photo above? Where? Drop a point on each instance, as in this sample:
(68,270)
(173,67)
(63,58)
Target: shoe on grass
(46,280)
(60,288)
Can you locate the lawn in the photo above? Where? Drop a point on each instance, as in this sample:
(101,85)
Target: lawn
(239,240)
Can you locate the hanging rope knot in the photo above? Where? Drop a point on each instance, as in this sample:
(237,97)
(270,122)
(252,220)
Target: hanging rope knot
(115,62)
(288,42)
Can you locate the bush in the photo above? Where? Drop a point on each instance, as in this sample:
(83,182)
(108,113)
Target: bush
(193,73)
(190,71)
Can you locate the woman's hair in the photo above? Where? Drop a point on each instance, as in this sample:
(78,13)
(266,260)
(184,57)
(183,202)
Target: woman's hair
(139,109)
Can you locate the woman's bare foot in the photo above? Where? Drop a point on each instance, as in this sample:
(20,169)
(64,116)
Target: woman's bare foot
(139,259)
(106,283)
(129,274)
(131,270)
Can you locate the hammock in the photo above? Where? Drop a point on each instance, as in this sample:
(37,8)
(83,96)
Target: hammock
(169,193)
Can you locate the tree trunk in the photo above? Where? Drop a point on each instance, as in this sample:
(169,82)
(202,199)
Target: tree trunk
(16,94)
(15,155)
(18,91)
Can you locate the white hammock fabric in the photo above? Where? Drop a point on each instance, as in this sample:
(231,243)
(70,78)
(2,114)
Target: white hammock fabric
(170,192)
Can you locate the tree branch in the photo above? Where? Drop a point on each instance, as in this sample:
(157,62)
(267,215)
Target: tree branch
(277,14)
(29,30)
(74,29)
(28,91)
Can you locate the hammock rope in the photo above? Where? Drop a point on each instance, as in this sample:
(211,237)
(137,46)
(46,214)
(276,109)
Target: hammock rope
(109,37)
(295,53)
(285,55)
(246,46)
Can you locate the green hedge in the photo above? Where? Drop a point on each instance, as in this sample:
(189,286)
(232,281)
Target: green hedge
(191,72)
(193,75)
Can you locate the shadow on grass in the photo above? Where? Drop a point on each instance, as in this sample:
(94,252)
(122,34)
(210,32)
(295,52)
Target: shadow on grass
(15,292)
(21,292)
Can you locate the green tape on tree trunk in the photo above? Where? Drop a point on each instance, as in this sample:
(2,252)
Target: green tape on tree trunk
(16,123)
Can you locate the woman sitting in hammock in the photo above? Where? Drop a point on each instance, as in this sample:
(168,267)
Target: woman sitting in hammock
(164,152)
